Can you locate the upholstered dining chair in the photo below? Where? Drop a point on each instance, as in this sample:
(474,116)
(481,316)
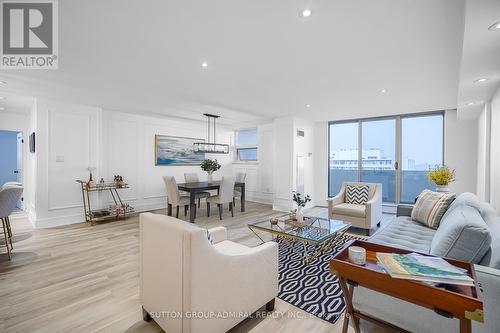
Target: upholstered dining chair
(173,197)
(225,196)
(193,178)
(239,178)
(9,196)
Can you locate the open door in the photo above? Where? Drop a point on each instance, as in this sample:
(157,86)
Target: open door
(19,170)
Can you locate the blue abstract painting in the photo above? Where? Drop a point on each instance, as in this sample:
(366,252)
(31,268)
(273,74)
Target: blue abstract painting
(175,150)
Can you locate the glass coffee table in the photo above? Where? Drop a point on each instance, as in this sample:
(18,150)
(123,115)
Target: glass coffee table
(321,233)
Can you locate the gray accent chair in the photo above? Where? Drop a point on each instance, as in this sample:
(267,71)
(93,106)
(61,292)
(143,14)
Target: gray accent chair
(10,194)
(360,216)
(469,231)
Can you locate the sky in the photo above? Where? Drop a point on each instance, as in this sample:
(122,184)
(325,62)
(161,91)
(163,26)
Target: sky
(422,138)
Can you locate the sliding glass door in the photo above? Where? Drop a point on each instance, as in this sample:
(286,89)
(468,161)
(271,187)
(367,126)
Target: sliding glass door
(379,155)
(421,149)
(394,151)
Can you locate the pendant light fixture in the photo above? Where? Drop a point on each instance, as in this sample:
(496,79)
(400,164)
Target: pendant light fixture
(209,146)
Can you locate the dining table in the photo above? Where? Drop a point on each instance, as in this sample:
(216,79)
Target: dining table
(193,188)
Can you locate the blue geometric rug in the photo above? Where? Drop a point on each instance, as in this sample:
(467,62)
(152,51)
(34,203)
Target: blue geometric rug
(311,287)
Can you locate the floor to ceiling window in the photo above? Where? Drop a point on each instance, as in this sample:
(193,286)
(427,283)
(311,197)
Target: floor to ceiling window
(394,151)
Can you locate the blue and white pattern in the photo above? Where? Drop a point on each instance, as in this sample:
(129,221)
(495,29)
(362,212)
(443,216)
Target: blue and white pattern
(311,287)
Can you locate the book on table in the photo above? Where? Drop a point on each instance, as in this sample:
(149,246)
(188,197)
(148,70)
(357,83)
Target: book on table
(414,266)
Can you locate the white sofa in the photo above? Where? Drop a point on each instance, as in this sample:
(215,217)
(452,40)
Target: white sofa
(360,216)
(191,286)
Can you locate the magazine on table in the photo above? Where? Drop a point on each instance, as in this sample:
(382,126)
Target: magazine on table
(414,266)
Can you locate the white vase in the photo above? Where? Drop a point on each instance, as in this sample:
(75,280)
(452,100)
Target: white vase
(442,188)
(299,215)
(210,177)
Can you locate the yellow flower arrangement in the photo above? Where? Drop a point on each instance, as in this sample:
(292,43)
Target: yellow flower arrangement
(441,175)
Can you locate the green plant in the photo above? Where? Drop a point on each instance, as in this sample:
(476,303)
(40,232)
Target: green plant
(209,165)
(441,175)
(297,197)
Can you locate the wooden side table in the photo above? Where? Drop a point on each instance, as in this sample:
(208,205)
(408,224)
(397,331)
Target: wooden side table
(461,302)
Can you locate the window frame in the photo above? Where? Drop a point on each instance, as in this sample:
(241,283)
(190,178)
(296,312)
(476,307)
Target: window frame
(238,147)
(398,119)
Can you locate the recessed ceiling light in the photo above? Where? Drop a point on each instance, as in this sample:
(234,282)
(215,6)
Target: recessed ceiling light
(483,79)
(2,108)
(3,82)
(1,97)
(305,13)
(383,91)
(308,106)
(204,64)
(494,26)
(470,103)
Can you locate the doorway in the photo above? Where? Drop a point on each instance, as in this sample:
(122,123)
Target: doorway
(11,161)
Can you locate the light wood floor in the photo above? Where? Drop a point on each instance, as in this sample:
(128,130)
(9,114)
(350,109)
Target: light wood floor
(80,278)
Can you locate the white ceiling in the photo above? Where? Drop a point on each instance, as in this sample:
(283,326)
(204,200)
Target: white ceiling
(264,61)
(481,56)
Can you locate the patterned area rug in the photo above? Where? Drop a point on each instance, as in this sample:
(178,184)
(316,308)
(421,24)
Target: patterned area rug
(311,287)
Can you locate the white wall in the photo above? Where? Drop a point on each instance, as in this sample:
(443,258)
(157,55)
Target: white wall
(483,153)
(495,152)
(460,151)
(128,150)
(320,157)
(72,137)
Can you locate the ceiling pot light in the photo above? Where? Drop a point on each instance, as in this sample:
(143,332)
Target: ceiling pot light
(204,64)
(1,97)
(383,91)
(483,79)
(308,106)
(3,82)
(469,104)
(2,108)
(494,26)
(305,13)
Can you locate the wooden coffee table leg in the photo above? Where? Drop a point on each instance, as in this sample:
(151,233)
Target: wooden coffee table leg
(465,326)
(348,293)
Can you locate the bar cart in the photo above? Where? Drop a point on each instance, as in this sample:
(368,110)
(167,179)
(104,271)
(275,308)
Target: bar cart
(119,210)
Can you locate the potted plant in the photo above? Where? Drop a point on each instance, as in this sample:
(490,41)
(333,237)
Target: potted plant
(209,166)
(442,176)
(301,203)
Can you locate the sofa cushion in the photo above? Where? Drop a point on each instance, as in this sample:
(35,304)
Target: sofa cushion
(463,235)
(350,210)
(491,218)
(430,207)
(356,194)
(405,233)
(467,199)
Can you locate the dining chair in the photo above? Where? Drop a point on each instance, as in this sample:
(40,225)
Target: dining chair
(225,196)
(193,178)
(9,196)
(173,196)
(239,178)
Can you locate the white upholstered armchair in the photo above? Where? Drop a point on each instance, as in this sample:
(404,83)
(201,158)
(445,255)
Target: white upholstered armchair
(182,274)
(364,216)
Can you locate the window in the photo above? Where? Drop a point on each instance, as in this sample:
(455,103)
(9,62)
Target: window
(390,150)
(246,145)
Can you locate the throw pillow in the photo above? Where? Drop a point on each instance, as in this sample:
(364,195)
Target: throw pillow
(430,207)
(357,194)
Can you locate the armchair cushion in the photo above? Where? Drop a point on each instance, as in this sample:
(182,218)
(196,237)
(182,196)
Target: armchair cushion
(350,210)
(356,194)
